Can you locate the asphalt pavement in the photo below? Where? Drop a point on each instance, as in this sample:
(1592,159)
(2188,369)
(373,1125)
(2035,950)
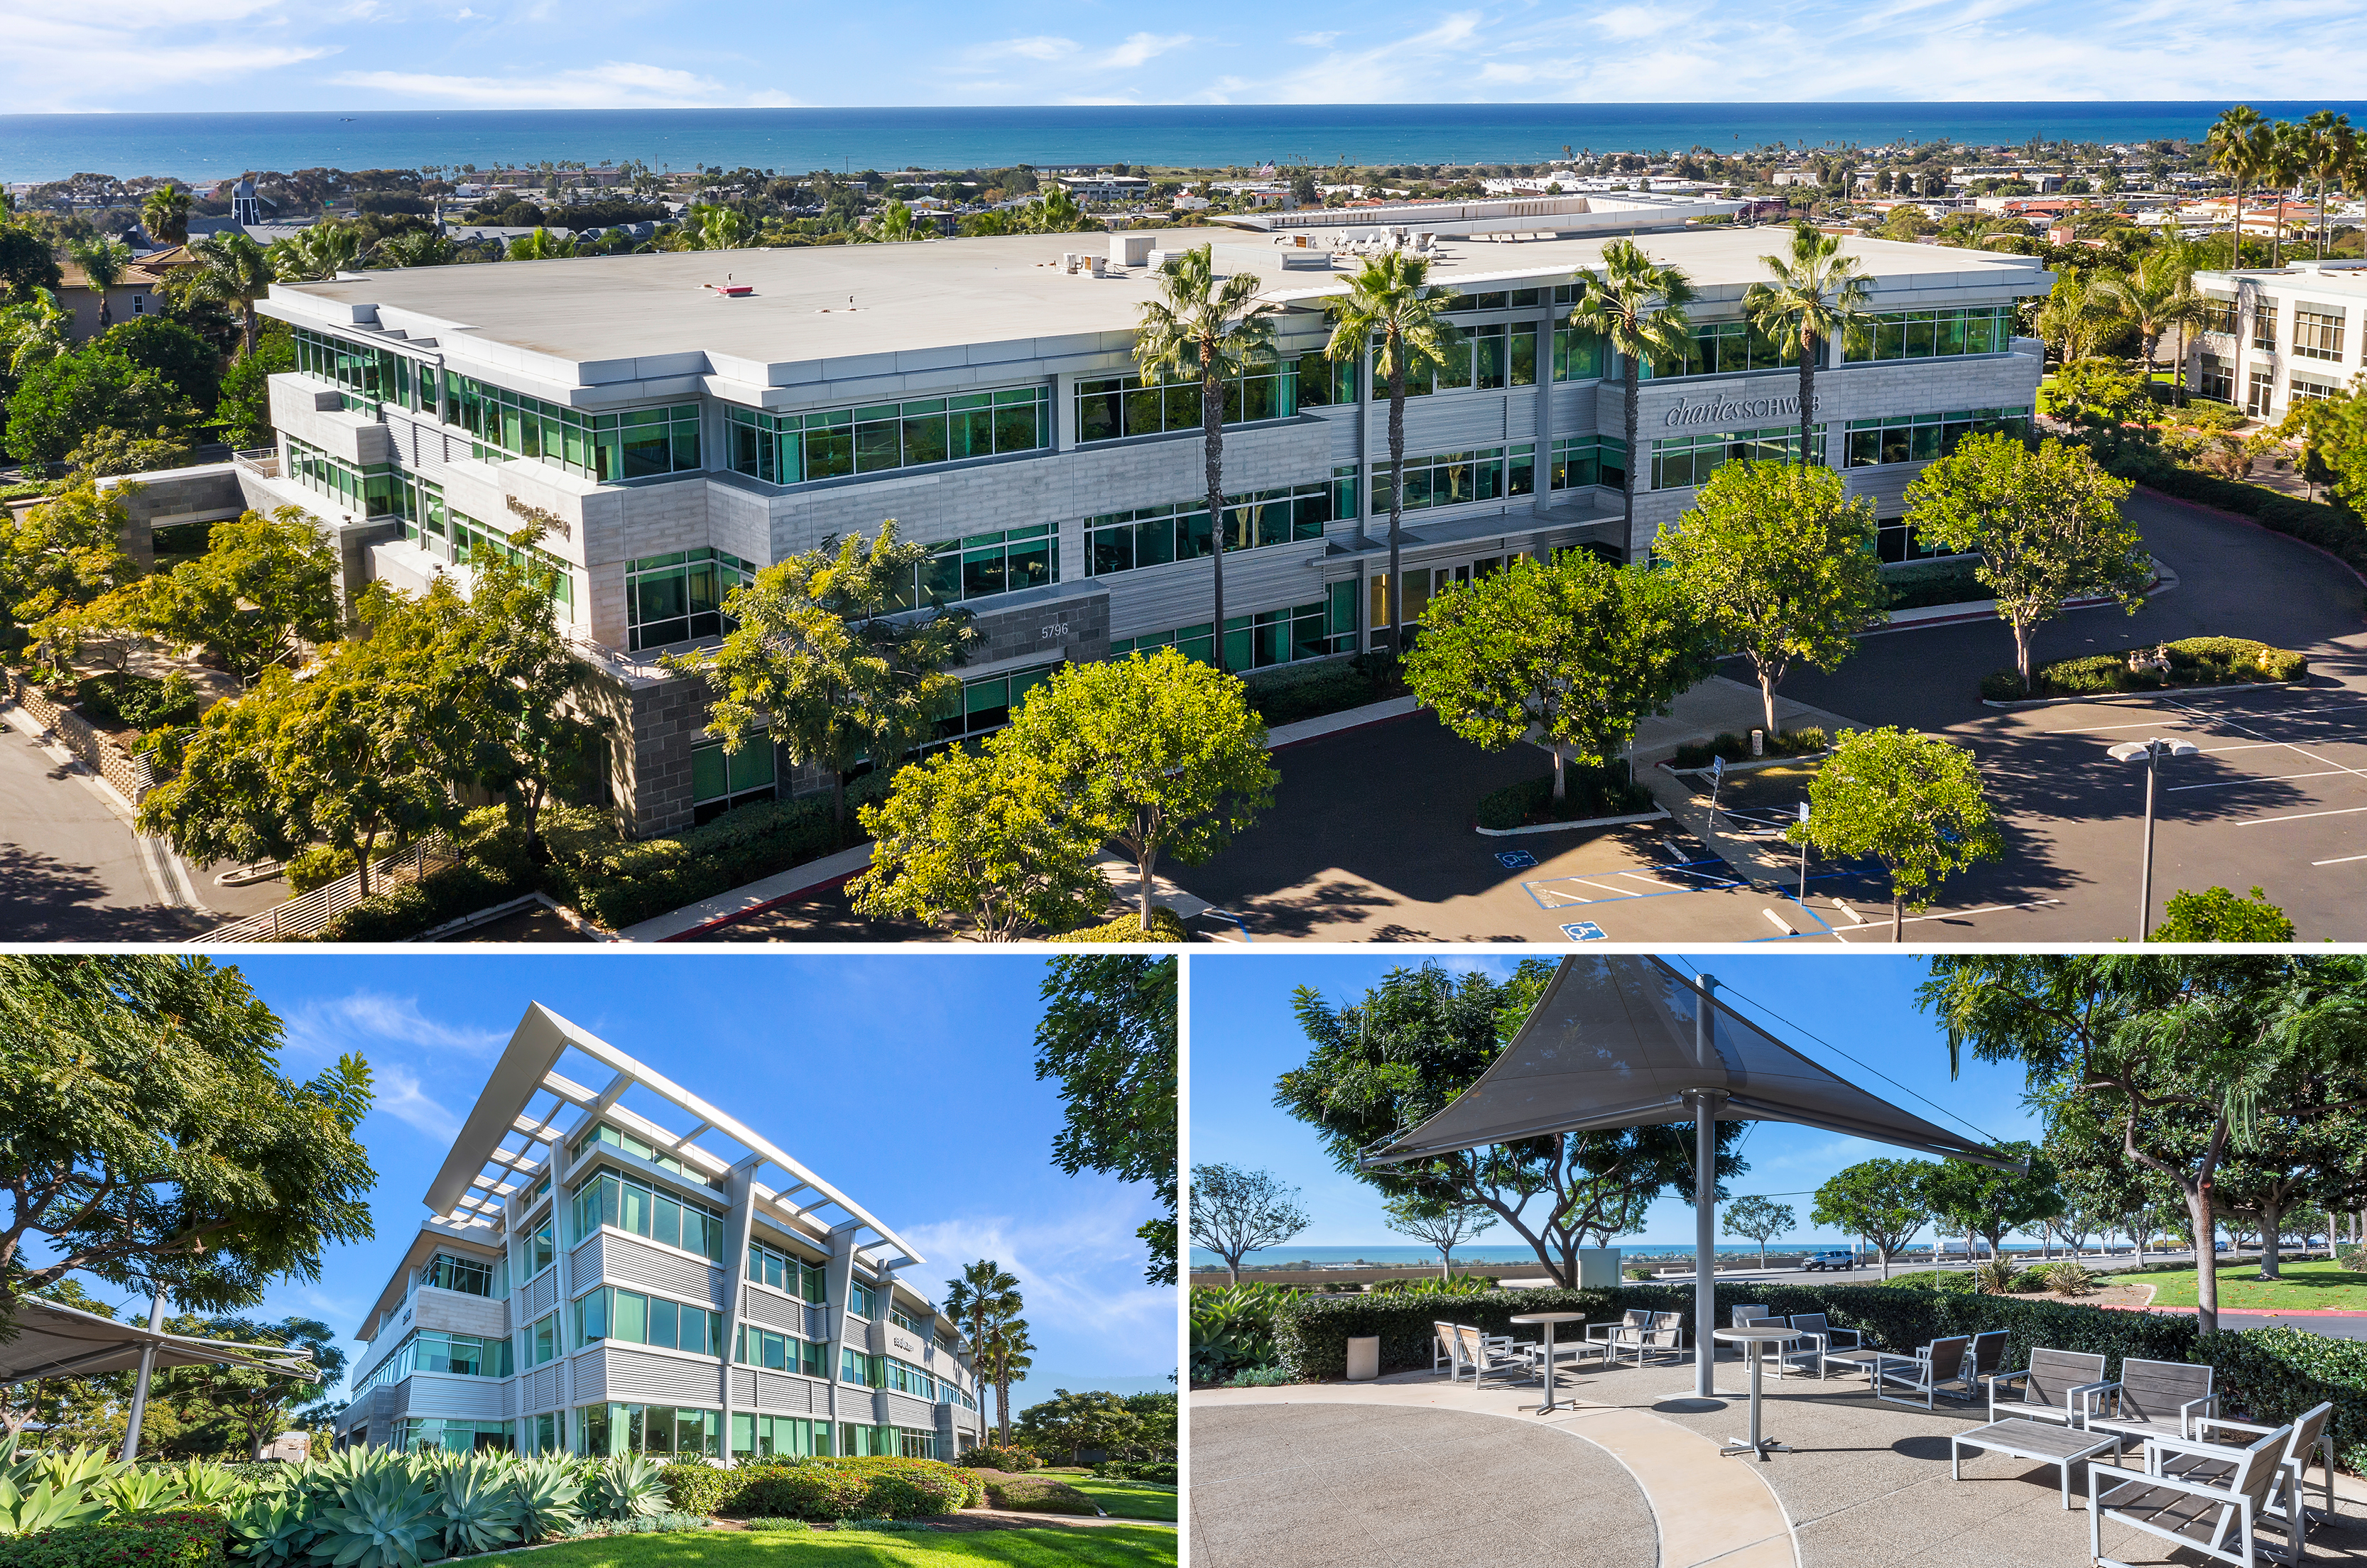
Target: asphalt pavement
(70,868)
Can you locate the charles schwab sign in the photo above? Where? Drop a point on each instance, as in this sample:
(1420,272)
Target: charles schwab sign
(1717,410)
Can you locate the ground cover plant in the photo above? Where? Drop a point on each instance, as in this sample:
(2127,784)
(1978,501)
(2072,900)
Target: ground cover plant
(1127,1499)
(2191,661)
(1807,741)
(1104,1546)
(1590,793)
(1035,1495)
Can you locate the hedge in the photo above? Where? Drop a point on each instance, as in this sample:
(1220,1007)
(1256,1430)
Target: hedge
(1586,792)
(155,1540)
(1037,1494)
(884,1487)
(1165,926)
(1159,1471)
(2193,661)
(1310,691)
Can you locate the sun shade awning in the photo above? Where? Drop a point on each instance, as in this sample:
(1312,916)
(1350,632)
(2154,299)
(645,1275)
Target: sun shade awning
(1613,1042)
(54,1341)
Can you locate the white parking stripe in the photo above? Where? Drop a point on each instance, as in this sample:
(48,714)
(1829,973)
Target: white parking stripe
(2256,778)
(1843,934)
(2346,860)
(2304,816)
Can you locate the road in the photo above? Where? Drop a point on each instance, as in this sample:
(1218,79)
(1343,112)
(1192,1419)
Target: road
(1370,837)
(70,868)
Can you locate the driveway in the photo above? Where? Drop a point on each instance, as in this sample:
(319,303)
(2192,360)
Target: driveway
(70,868)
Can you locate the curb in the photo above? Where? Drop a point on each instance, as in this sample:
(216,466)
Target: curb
(2117,696)
(1325,725)
(1658,814)
(2210,511)
(1746,767)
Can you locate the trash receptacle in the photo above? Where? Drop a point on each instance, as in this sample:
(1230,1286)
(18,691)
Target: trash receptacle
(1364,1357)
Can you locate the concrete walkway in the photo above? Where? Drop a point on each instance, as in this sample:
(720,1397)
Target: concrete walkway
(1865,1486)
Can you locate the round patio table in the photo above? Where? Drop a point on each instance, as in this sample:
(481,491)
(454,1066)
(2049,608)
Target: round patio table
(1754,1343)
(1549,1319)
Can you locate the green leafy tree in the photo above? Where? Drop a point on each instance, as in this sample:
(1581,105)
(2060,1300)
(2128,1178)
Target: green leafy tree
(824,663)
(1157,752)
(1570,656)
(186,360)
(230,269)
(1760,1219)
(59,557)
(148,1139)
(1402,1052)
(986,841)
(1237,1211)
(265,588)
(1212,331)
(2138,1038)
(27,262)
(1391,311)
(60,402)
(1072,1424)
(1913,802)
(1781,561)
(1440,1224)
(1636,307)
(1881,1202)
(1109,1034)
(242,413)
(2333,434)
(105,452)
(2216,915)
(415,247)
(2046,524)
(1812,297)
(104,260)
(1981,1201)
(544,245)
(255,1404)
(33,330)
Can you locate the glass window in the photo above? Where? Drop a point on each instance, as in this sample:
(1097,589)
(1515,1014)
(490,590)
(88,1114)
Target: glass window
(1923,334)
(1582,460)
(679,597)
(832,443)
(1904,438)
(610,1429)
(542,1243)
(1691,459)
(432,1350)
(1113,408)
(2317,331)
(471,1275)
(1156,536)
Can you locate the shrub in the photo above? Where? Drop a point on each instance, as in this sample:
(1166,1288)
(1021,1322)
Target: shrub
(2067,1277)
(776,1524)
(1805,741)
(141,701)
(1159,1471)
(694,1486)
(657,1524)
(2351,1255)
(152,1540)
(1260,1377)
(1925,584)
(2193,661)
(1165,926)
(884,1487)
(991,1458)
(1233,1328)
(317,867)
(1927,1279)
(1311,690)
(2273,1374)
(1587,792)
(445,894)
(1993,1277)
(1037,1495)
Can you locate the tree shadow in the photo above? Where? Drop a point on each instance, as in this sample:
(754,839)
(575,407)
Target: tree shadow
(44,898)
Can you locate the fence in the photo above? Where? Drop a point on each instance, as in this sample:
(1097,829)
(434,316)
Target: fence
(308,913)
(95,751)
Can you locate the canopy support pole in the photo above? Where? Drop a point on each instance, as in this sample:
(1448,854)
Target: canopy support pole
(1704,1199)
(140,1388)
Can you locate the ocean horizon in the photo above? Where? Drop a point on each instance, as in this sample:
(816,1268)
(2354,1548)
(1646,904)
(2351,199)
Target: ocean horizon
(217,145)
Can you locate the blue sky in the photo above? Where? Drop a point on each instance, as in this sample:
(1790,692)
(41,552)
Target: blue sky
(1244,1036)
(331,54)
(907,1082)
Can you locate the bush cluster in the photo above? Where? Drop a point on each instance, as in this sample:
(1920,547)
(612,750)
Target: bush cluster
(1588,793)
(1165,926)
(1311,690)
(2193,661)
(1159,1471)
(833,1489)
(1806,741)
(153,1541)
(1037,1494)
(992,1458)
(139,702)
(1922,584)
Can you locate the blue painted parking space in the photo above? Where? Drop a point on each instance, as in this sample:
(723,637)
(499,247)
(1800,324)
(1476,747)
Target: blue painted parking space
(1515,859)
(1621,886)
(1584,931)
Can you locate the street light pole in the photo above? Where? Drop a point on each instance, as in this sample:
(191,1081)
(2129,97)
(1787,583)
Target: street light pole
(2152,750)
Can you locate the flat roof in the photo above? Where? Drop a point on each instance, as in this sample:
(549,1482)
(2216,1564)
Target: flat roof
(625,318)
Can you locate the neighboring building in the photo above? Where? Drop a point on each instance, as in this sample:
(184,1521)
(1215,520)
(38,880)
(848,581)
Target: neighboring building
(134,293)
(1105,188)
(982,393)
(294,1447)
(597,1282)
(2272,338)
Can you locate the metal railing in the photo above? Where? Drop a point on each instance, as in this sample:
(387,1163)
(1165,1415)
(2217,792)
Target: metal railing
(308,914)
(264,460)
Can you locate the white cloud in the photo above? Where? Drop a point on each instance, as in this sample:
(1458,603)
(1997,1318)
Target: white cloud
(614,85)
(1316,41)
(1043,47)
(399,1096)
(328,1029)
(1080,1274)
(1140,48)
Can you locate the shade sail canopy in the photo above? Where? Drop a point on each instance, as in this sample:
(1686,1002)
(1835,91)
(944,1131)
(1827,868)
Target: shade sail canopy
(1613,1043)
(54,1341)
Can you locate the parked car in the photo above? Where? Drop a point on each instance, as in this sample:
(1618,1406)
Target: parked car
(1817,1262)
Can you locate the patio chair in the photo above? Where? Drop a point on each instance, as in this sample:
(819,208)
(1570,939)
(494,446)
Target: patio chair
(1919,1378)
(1745,1316)
(2151,1399)
(1666,1332)
(1781,1350)
(2051,1385)
(1488,1356)
(1442,1347)
(1818,1339)
(2191,1512)
(1988,1355)
(2308,1438)
(1625,1334)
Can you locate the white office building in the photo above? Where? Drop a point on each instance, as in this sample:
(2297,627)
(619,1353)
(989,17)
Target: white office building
(690,418)
(2270,338)
(615,1265)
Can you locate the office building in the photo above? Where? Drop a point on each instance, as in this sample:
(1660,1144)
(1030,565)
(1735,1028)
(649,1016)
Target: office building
(594,1280)
(2271,338)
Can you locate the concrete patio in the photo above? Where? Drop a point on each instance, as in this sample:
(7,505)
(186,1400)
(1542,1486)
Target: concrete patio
(1411,1470)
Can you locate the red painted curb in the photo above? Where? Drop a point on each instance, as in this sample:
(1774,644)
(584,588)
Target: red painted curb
(737,915)
(2251,523)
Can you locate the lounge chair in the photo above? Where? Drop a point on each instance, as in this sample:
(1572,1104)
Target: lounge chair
(2308,1438)
(1745,1316)
(1665,1333)
(1918,1378)
(1625,1334)
(1442,1347)
(2151,1399)
(2189,1511)
(1489,1356)
(2051,1385)
(1820,1339)
(1781,1350)
(1987,1356)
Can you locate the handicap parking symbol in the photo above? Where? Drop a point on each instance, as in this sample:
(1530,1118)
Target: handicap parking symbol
(1584,931)
(1515,859)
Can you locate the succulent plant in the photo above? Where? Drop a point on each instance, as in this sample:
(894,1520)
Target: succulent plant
(389,1517)
(273,1530)
(481,1509)
(627,1487)
(549,1492)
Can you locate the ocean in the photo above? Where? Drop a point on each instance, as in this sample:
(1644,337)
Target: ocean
(213,146)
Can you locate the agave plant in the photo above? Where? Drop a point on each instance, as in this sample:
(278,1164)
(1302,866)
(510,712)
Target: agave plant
(481,1505)
(82,1467)
(389,1517)
(141,1491)
(273,1530)
(208,1485)
(627,1487)
(547,1492)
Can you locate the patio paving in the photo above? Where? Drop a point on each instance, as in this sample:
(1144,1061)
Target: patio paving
(1275,1470)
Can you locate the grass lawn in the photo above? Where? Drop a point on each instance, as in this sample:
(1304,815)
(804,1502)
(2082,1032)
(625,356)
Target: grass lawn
(1104,1546)
(2314,1284)
(1128,1499)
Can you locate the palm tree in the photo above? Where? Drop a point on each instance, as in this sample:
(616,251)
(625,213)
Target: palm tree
(34,331)
(165,213)
(2235,145)
(2070,314)
(316,255)
(232,268)
(707,227)
(2333,146)
(982,1299)
(542,245)
(1637,306)
(1010,1348)
(1390,303)
(415,247)
(2285,160)
(1211,331)
(102,262)
(2157,295)
(1812,297)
